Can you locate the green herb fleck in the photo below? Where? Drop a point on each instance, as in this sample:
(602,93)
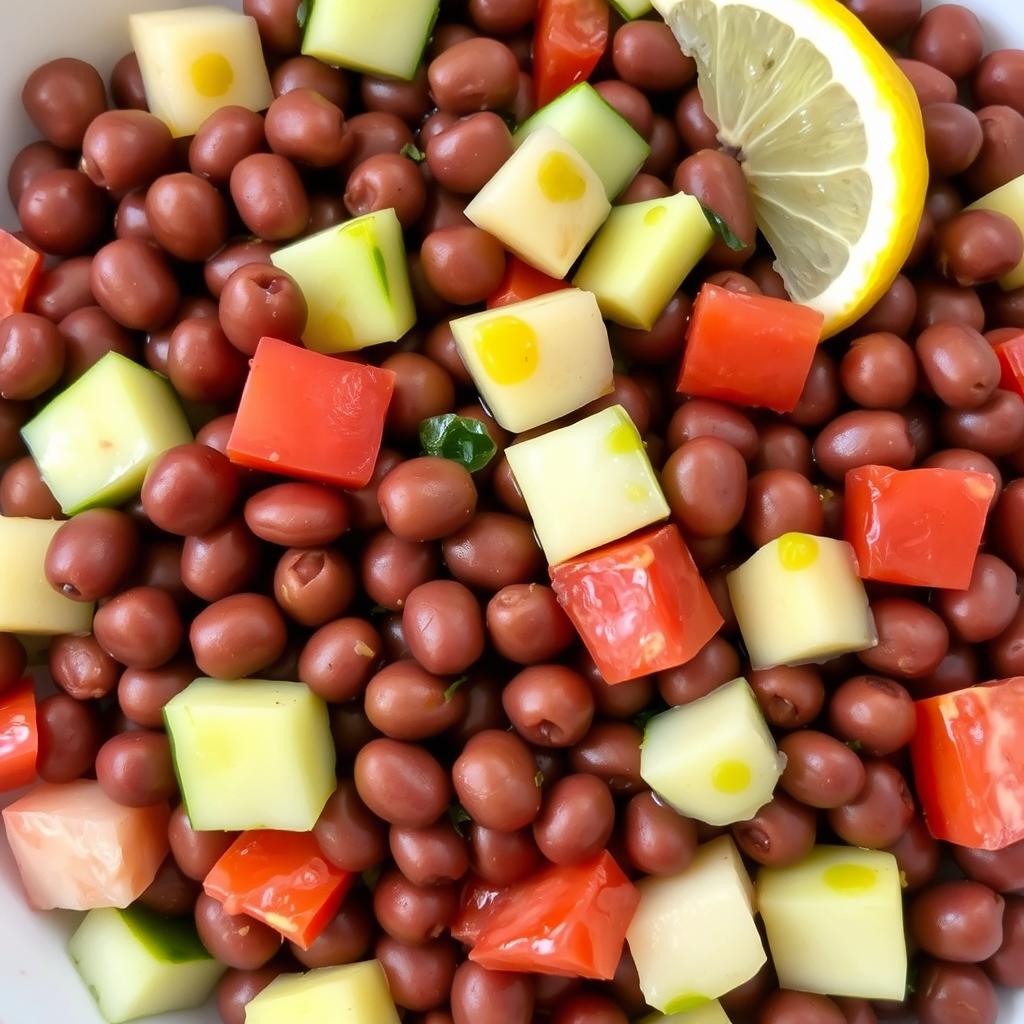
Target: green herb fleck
(459,438)
(370,877)
(855,745)
(305,9)
(722,229)
(458,816)
(413,152)
(538,779)
(454,688)
(379,609)
(641,719)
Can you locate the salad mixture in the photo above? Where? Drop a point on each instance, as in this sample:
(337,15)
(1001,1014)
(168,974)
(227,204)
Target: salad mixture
(521,502)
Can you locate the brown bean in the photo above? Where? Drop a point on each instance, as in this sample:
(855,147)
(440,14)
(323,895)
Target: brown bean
(1006,965)
(476,74)
(549,705)
(220,562)
(350,836)
(413,913)
(419,977)
(235,939)
(314,585)
(993,429)
(953,138)
(781,833)
(305,126)
(930,84)
(960,921)
(269,196)
(126,85)
(715,663)
(785,1006)
(434,855)
(878,371)
(611,751)
(140,627)
(466,155)
(126,149)
(948,993)
(297,515)
(462,264)
(1001,158)
(443,626)
(526,625)
(62,97)
(896,309)
(917,855)
(861,438)
(237,636)
(91,554)
(986,607)
(790,697)
(948,37)
(912,639)
(495,780)
(999,79)
(406,702)
(195,852)
(701,417)
(705,483)
(347,938)
(630,103)
(69,735)
(304,72)
(401,783)
(32,162)
(23,492)
(781,501)
(135,768)
(717,180)
(978,246)
(134,284)
(876,713)
(658,840)
(142,693)
(888,19)
(422,389)
(695,128)
(62,212)
(881,812)
(189,490)
(492,551)
(575,820)
(233,256)
(647,56)
(820,770)
(427,498)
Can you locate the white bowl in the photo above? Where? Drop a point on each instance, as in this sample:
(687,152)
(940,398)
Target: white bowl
(37,983)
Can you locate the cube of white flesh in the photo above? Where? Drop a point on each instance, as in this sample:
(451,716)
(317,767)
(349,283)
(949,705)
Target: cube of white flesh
(545,203)
(713,759)
(799,599)
(596,130)
(537,360)
(28,604)
(196,60)
(709,1013)
(94,442)
(587,484)
(1008,199)
(835,923)
(352,994)
(137,964)
(251,753)
(385,37)
(641,256)
(693,936)
(355,281)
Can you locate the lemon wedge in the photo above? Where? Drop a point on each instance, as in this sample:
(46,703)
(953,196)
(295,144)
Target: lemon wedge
(829,134)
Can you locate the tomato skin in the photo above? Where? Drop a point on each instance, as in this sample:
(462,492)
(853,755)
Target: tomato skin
(281,879)
(19,738)
(20,265)
(568,920)
(1011,361)
(522,282)
(639,605)
(749,349)
(570,38)
(309,415)
(968,755)
(920,527)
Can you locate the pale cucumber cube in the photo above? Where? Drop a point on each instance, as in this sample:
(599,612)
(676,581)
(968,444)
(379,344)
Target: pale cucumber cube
(587,484)
(28,604)
(137,963)
(196,60)
(352,994)
(709,1013)
(94,442)
(631,9)
(356,283)
(693,936)
(641,256)
(537,360)
(835,923)
(799,599)
(251,753)
(545,203)
(1008,199)
(596,130)
(713,759)
(385,37)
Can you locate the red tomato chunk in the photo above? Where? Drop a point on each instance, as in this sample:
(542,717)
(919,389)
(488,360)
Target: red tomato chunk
(567,920)
(309,415)
(478,903)
(570,37)
(968,755)
(639,605)
(522,282)
(749,349)
(281,879)
(920,527)
(20,265)
(1011,361)
(19,740)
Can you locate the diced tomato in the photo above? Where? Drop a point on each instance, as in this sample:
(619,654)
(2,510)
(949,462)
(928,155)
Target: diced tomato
(569,920)
(522,282)
(570,37)
(1011,359)
(19,740)
(920,527)
(639,605)
(310,415)
(477,904)
(281,879)
(20,265)
(749,349)
(968,755)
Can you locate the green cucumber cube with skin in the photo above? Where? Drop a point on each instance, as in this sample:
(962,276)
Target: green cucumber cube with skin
(596,130)
(641,255)
(352,994)
(137,963)
(709,1013)
(630,10)
(835,923)
(94,442)
(713,759)
(251,753)
(382,37)
(356,283)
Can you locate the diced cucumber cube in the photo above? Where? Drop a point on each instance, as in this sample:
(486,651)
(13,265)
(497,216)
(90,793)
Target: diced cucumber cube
(587,484)
(384,37)
(251,753)
(693,935)
(1008,200)
(714,758)
(28,604)
(352,994)
(835,923)
(596,130)
(799,599)
(137,963)
(641,255)
(356,283)
(94,442)
(196,60)
(709,1013)
(536,360)
(631,9)
(545,203)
